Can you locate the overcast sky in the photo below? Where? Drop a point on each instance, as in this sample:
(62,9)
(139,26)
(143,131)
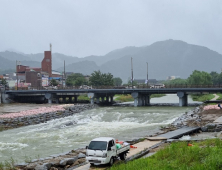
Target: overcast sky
(96,27)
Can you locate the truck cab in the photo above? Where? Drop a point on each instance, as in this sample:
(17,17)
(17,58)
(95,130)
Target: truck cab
(103,150)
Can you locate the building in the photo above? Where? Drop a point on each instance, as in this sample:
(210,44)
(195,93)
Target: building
(37,77)
(172,77)
(143,81)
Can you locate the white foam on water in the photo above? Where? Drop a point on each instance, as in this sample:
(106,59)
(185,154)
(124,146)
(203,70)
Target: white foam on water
(76,130)
(12,146)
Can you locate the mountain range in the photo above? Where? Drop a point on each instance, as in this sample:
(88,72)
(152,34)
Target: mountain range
(164,58)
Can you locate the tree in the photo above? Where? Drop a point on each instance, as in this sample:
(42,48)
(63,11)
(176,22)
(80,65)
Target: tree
(101,79)
(53,82)
(177,81)
(75,79)
(117,81)
(199,78)
(130,83)
(3,81)
(215,77)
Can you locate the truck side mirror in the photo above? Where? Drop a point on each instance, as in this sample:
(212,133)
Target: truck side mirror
(86,147)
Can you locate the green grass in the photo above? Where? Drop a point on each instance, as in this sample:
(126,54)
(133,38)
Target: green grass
(124,98)
(220,96)
(202,97)
(83,97)
(128,97)
(205,155)
(8,165)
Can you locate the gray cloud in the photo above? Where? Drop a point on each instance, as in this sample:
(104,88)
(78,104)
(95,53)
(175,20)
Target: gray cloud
(95,27)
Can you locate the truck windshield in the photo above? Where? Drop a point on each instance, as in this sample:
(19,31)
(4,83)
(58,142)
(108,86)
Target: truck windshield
(97,145)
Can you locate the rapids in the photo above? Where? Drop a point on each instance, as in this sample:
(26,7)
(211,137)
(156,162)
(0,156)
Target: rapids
(65,134)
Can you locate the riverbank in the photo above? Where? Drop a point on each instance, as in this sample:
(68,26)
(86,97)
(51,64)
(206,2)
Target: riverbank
(40,115)
(59,159)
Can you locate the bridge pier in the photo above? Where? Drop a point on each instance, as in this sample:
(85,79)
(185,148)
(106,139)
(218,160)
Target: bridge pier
(141,100)
(70,99)
(111,99)
(75,99)
(107,99)
(97,100)
(91,97)
(182,99)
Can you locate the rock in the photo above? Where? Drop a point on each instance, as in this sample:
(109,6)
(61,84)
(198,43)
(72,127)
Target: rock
(45,166)
(211,126)
(53,168)
(68,161)
(34,160)
(81,155)
(204,129)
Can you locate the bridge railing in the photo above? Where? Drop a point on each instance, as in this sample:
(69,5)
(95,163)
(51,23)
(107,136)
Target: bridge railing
(119,87)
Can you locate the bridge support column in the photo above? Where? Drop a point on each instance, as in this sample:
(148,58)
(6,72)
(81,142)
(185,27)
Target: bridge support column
(140,100)
(75,99)
(57,100)
(64,99)
(135,96)
(91,96)
(102,99)
(182,98)
(97,100)
(70,99)
(111,99)
(49,97)
(107,99)
(147,100)
(50,101)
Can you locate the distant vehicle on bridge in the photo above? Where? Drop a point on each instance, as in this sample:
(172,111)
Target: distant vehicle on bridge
(119,87)
(157,86)
(85,87)
(50,87)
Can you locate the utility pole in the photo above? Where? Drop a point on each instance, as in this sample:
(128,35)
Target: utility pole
(132,70)
(147,74)
(64,72)
(16,74)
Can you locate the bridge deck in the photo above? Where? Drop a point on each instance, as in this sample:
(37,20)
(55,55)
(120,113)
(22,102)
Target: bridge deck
(179,132)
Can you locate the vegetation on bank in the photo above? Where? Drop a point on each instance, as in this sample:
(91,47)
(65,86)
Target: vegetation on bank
(201,155)
(83,97)
(202,97)
(128,97)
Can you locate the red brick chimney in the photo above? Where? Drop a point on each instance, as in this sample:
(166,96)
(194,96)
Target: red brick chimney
(47,63)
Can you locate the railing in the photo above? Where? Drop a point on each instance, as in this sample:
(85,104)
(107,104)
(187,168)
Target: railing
(119,87)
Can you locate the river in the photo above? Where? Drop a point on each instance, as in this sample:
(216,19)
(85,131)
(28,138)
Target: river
(65,134)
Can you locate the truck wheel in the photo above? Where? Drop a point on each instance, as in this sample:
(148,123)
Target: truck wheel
(92,164)
(111,161)
(123,156)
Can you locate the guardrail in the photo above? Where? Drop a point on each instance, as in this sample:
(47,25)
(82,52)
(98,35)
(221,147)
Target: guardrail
(119,87)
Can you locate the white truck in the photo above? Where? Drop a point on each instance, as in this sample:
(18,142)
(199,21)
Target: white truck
(103,150)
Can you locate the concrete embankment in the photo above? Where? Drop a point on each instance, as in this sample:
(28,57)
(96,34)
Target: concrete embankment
(32,117)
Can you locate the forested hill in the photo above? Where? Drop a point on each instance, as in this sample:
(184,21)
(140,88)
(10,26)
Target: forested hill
(165,58)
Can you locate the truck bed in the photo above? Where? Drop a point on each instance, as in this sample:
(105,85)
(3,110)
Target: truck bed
(123,149)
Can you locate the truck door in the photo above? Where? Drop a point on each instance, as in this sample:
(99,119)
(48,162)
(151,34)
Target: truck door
(111,149)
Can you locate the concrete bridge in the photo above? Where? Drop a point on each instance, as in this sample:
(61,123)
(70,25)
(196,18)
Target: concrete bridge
(141,96)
